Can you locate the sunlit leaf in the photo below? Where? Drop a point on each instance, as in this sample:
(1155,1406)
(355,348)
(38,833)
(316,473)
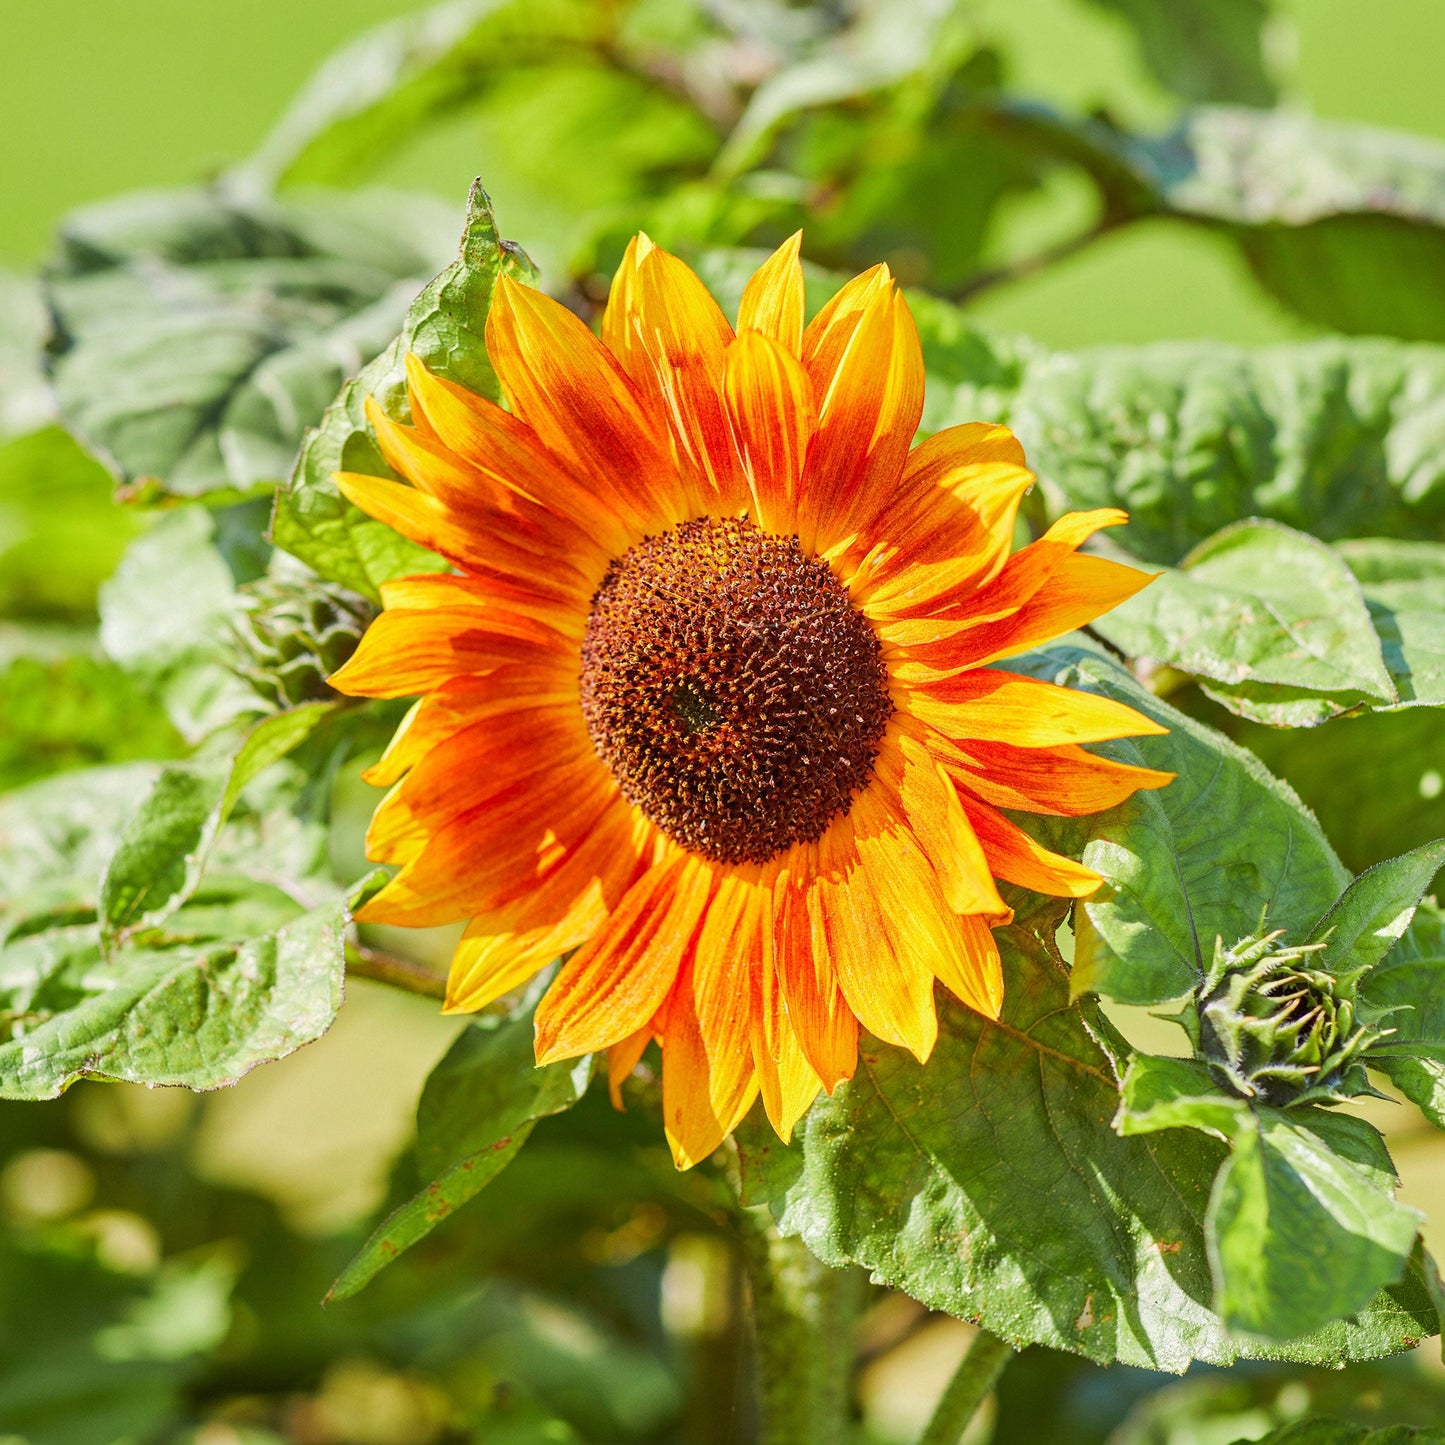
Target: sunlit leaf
(1404,588)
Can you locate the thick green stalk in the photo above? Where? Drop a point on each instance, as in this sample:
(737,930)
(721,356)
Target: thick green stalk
(803,1317)
(974,1378)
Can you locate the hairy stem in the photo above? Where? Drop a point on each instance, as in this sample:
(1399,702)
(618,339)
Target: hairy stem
(402,973)
(971,1382)
(803,1317)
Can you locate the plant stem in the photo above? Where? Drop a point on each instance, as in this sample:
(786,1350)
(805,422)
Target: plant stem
(803,1317)
(400,973)
(977,1371)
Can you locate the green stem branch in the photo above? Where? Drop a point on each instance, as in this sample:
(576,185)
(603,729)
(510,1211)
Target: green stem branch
(402,973)
(975,1377)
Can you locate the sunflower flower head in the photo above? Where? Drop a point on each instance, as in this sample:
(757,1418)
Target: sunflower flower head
(710,695)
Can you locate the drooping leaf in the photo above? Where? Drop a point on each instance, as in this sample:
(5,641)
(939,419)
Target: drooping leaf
(1269,620)
(1203,50)
(1200,858)
(199,332)
(1404,588)
(983,1198)
(1303,1227)
(1342,222)
(480,1104)
(445,327)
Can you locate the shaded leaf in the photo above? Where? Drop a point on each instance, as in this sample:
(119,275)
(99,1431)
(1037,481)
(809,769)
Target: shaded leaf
(1203,49)
(477,1110)
(446,328)
(983,1198)
(1271,621)
(1404,588)
(199,333)
(1341,1432)
(1200,858)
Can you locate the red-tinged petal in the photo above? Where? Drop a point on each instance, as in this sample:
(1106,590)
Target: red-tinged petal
(993,706)
(622,1059)
(772,302)
(863,357)
(618,980)
(569,388)
(671,338)
(770,408)
(1017,858)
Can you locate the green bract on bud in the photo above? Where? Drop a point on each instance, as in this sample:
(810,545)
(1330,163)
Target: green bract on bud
(1272,1028)
(292,633)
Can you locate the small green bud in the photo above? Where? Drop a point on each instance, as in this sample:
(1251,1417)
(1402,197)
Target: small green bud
(292,634)
(1272,1028)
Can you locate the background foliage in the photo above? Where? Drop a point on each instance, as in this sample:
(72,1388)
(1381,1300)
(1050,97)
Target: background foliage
(1189,251)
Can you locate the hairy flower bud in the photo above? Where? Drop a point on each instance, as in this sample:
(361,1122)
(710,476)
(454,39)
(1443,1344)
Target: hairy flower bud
(293,633)
(1272,1028)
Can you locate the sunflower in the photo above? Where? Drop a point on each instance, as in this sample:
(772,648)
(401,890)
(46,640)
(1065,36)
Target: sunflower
(709,696)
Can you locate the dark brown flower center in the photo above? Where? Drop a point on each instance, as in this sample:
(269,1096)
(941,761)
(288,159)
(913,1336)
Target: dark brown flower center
(733,689)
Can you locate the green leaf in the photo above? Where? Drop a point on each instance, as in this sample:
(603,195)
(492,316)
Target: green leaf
(166,843)
(194,1013)
(200,332)
(1343,223)
(446,328)
(1404,588)
(1336,438)
(1376,909)
(376,92)
(1411,984)
(1342,1432)
(1200,858)
(1203,49)
(1303,1225)
(1270,620)
(25,404)
(1162,1093)
(975,1184)
(477,1110)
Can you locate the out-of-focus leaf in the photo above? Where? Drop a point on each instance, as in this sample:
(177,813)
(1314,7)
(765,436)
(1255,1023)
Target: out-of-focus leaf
(446,328)
(59,536)
(1303,1227)
(1203,49)
(1343,223)
(1336,438)
(1404,587)
(1200,858)
(983,1198)
(1271,621)
(1341,1432)
(25,404)
(199,333)
(162,614)
(477,1110)
(374,93)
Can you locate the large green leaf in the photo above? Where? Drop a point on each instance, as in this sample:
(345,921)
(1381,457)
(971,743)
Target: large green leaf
(989,1183)
(1343,223)
(1411,983)
(477,1110)
(199,332)
(1269,620)
(1376,909)
(1203,49)
(1200,858)
(1404,588)
(445,327)
(1303,1226)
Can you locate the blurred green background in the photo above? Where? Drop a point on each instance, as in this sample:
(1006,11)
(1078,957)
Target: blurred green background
(97,98)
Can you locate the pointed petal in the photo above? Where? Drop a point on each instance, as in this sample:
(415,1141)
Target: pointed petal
(1014,856)
(622,1059)
(786,1079)
(616,982)
(773,298)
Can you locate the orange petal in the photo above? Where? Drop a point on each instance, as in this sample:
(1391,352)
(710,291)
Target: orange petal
(622,1059)
(890,991)
(795,942)
(786,1079)
(770,409)
(556,598)
(993,706)
(1013,855)
(863,356)
(618,979)
(772,300)
(671,338)
(1064,781)
(410,651)
(569,388)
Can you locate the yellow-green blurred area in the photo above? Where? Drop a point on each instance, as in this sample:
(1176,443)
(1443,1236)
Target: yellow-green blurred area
(99,98)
